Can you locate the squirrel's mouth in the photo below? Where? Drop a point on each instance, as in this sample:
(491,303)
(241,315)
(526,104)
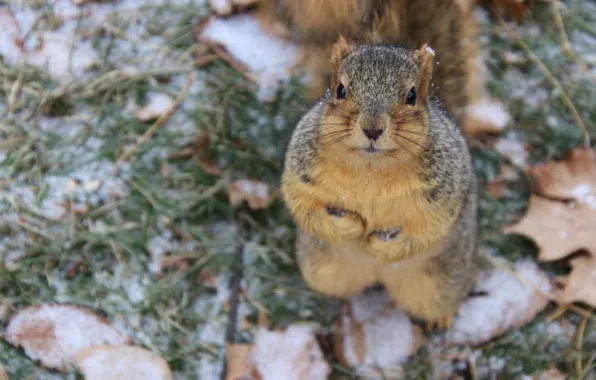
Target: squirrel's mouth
(371,149)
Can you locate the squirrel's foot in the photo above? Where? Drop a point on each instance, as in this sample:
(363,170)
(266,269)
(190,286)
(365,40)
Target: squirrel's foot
(343,225)
(442,323)
(386,245)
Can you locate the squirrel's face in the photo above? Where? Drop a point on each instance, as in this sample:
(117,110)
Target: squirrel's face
(377,105)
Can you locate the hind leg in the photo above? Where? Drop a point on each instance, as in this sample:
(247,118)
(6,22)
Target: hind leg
(338,270)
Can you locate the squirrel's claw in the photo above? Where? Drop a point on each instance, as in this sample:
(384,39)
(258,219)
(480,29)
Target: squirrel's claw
(442,323)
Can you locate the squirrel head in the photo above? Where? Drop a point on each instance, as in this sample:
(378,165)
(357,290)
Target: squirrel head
(377,104)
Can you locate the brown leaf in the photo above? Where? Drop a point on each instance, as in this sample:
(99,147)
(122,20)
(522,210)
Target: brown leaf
(581,283)
(516,9)
(486,116)
(558,229)
(53,334)
(256,193)
(108,362)
(202,155)
(373,334)
(238,363)
(572,178)
(509,302)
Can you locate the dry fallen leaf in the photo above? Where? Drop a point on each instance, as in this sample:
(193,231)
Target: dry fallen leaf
(3,375)
(293,354)
(485,116)
(557,228)
(157,105)
(373,334)
(122,362)
(55,333)
(581,282)
(238,363)
(257,194)
(516,9)
(572,178)
(510,302)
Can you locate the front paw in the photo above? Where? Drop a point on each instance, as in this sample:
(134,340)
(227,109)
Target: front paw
(385,244)
(344,225)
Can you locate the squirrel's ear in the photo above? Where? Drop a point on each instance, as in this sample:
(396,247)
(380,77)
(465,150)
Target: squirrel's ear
(341,49)
(424,57)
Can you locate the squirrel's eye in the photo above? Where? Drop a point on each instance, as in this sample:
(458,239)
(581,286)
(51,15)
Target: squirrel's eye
(411,98)
(341,91)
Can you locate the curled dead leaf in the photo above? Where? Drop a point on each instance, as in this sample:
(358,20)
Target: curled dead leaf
(486,116)
(374,335)
(572,178)
(581,283)
(53,334)
(257,194)
(516,9)
(557,228)
(109,362)
(509,302)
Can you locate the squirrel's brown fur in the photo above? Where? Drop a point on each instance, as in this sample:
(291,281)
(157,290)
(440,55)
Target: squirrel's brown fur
(382,186)
(446,25)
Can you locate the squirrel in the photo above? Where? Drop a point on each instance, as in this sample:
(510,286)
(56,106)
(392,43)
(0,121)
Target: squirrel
(379,179)
(446,25)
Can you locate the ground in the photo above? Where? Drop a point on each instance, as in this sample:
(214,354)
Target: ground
(75,228)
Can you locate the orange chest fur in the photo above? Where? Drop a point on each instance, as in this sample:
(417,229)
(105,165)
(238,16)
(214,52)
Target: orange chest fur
(385,198)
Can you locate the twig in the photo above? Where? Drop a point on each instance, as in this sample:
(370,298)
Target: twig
(565,40)
(235,282)
(579,345)
(550,77)
(160,122)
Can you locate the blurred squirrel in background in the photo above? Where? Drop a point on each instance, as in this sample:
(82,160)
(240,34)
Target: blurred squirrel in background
(380,181)
(446,25)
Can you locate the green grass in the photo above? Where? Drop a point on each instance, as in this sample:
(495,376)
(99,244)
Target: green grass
(91,258)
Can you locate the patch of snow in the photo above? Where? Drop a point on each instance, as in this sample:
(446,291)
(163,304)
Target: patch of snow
(489,112)
(516,302)
(583,193)
(268,57)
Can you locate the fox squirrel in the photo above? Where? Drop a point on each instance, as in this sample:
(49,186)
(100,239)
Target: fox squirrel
(379,180)
(446,25)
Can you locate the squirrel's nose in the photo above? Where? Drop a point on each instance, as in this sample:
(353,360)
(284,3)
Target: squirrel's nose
(373,133)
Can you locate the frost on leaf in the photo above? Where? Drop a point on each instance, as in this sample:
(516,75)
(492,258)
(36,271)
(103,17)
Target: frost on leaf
(513,150)
(108,362)
(485,116)
(572,178)
(509,302)
(374,334)
(557,228)
(157,105)
(581,282)
(53,334)
(293,354)
(257,194)
(268,58)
